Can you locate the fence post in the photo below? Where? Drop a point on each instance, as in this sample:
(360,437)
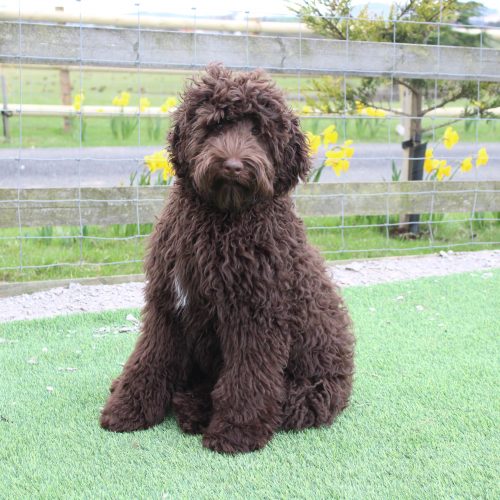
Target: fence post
(65,81)
(6,114)
(413,149)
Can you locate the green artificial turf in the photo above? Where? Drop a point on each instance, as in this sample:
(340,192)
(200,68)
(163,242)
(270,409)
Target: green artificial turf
(423,422)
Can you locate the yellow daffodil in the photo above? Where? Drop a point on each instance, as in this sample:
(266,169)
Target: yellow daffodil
(482,157)
(466,165)
(347,149)
(429,165)
(78,101)
(337,160)
(478,104)
(450,137)
(342,166)
(359,107)
(144,103)
(121,100)
(374,113)
(314,142)
(307,110)
(336,154)
(125,98)
(169,103)
(160,160)
(168,171)
(435,164)
(443,170)
(330,135)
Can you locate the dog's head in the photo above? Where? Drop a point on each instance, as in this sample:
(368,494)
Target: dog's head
(235,139)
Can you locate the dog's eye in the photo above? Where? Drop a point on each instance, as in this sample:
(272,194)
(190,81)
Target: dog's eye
(217,127)
(255,130)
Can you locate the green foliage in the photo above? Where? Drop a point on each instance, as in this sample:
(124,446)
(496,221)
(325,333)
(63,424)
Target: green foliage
(78,128)
(316,174)
(49,234)
(154,128)
(334,19)
(396,173)
(122,127)
(46,234)
(480,220)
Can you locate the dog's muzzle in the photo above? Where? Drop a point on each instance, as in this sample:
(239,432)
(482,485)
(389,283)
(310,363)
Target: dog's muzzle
(233,170)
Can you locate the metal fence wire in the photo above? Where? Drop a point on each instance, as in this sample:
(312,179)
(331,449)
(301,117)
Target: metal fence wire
(77,195)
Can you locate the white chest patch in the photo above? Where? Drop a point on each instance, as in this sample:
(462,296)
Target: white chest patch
(181,295)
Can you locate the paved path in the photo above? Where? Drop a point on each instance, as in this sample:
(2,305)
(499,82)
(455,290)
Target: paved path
(77,298)
(61,167)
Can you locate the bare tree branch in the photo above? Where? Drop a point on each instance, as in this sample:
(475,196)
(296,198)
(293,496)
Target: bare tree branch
(406,9)
(389,110)
(445,124)
(443,103)
(404,83)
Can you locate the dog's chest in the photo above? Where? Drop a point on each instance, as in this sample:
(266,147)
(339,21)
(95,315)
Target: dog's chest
(181,294)
(188,291)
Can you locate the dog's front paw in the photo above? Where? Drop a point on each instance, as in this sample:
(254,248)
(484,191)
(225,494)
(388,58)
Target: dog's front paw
(225,437)
(125,413)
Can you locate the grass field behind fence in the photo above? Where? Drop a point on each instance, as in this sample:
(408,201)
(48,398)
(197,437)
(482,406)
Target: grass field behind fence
(42,86)
(41,132)
(50,246)
(423,422)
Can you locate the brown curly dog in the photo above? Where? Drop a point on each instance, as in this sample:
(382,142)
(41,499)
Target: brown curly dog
(243,332)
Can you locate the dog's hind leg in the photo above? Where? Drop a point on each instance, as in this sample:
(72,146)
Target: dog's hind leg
(313,402)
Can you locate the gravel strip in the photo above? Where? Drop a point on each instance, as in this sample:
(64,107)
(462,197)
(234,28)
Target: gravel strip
(76,298)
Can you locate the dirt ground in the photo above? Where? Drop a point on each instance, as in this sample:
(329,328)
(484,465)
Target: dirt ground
(92,298)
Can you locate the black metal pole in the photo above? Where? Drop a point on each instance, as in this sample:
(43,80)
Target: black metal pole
(6,114)
(417,174)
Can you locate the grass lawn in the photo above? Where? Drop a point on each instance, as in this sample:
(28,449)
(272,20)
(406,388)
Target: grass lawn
(117,249)
(41,132)
(423,422)
(42,86)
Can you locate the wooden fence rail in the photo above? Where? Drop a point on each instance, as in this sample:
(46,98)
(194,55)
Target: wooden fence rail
(129,205)
(31,43)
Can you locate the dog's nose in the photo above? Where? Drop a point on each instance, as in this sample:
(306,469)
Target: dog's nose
(232,166)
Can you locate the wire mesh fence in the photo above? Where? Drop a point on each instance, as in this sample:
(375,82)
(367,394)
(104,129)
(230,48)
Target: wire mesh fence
(403,128)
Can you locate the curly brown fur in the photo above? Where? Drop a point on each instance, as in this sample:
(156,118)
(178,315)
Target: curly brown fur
(243,332)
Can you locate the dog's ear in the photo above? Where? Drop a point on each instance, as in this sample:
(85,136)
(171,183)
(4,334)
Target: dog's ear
(180,138)
(173,139)
(296,164)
